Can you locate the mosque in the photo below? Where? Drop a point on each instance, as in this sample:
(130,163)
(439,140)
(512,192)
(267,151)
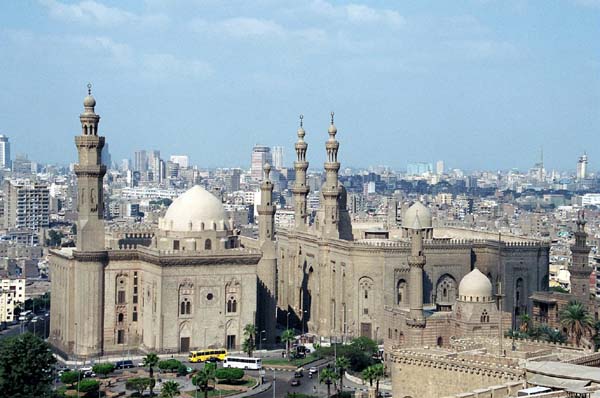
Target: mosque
(195,282)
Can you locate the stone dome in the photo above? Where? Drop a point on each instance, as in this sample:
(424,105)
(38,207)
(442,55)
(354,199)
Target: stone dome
(475,286)
(89,101)
(417,216)
(195,210)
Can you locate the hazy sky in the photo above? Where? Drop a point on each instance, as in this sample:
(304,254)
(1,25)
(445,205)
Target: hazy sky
(480,83)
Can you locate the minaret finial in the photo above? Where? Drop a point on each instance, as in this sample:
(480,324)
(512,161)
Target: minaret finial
(332,114)
(301,122)
(89,86)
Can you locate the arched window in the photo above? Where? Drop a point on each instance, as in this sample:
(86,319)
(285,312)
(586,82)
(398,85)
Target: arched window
(120,318)
(232,305)
(401,293)
(188,308)
(207,244)
(440,341)
(185,308)
(182,310)
(485,318)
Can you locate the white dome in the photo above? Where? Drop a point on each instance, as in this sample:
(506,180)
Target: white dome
(417,217)
(195,210)
(475,285)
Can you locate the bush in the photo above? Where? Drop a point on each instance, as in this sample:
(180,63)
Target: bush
(169,365)
(103,368)
(229,374)
(182,370)
(70,377)
(89,386)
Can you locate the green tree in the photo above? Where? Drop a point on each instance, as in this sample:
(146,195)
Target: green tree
(524,320)
(25,366)
(288,337)
(169,365)
(369,374)
(364,344)
(250,337)
(89,387)
(203,378)
(103,368)
(150,361)
(139,384)
(70,378)
(576,319)
(229,374)
(342,364)
(328,377)
(378,373)
(169,389)
(54,238)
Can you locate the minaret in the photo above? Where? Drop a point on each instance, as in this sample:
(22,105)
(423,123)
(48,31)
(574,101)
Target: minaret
(267,266)
(87,321)
(416,262)
(300,189)
(580,269)
(330,188)
(90,172)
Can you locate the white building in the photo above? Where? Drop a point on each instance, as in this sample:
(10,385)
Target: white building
(278,157)
(12,291)
(182,160)
(4,152)
(260,155)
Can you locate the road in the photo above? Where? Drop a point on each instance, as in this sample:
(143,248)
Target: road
(40,327)
(283,379)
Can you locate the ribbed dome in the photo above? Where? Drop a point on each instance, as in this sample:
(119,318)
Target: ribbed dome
(195,210)
(474,285)
(417,217)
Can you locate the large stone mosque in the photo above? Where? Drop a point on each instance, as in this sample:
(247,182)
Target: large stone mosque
(195,282)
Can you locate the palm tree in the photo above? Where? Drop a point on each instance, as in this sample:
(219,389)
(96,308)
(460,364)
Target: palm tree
(341,364)
(287,337)
(576,319)
(249,344)
(202,378)
(150,361)
(170,389)
(378,372)
(328,376)
(524,320)
(369,374)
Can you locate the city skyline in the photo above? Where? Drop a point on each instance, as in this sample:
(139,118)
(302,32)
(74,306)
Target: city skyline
(453,82)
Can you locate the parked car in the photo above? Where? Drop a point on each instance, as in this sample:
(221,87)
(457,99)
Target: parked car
(298,374)
(84,369)
(312,370)
(89,373)
(295,383)
(126,364)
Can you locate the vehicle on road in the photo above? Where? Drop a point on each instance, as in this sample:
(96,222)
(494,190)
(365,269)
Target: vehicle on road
(89,373)
(312,370)
(298,374)
(126,364)
(243,363)
(207,355)
(86,368)
(295,383)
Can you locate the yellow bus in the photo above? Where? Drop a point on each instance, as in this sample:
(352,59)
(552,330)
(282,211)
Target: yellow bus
(208,355)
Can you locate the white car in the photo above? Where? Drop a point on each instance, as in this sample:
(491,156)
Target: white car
(84,369)
(312,370)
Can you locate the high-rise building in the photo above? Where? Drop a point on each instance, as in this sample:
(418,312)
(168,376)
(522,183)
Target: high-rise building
(140,161)
(582,167)
(21,165)
(154,165)
(418,169)
(278,157)
(125,164)
(26,205)
(4,152)
(106,158)
(260,155)
(439,167)
(182,160)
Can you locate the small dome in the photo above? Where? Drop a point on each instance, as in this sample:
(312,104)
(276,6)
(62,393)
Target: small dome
(89,101)
(195,210)
(475,285)
(417,216)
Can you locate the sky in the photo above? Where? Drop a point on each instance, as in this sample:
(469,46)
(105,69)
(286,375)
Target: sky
(480,84)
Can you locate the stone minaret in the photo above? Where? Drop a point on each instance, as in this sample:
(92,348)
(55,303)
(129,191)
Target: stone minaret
(330,188)
(416,262)
(300,189)
(90,254)
(579,269)
(267,266)
(90,172)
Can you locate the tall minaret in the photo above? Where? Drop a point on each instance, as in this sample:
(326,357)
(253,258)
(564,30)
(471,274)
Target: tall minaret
(90,172)
(580,269)
(300,189)
(87,321)
(330,188)
(416,262)
(267,266)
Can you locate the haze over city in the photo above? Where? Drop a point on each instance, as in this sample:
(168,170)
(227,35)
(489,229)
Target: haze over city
(480,84)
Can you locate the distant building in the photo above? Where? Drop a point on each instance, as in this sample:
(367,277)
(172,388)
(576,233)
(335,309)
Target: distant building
(106,158)
(260,155)
(418,169)
(12,292)
(582,167)
(278,157)
(21,165)
(4,152)
(26,205)
(439,167)
(182,160)
(140,161)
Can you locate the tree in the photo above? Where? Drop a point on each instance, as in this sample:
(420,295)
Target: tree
(229,374)
(364,344)
(103,368)
(169,365)
(249,344)
(89,386)
(342,364)
(203,377)
(576,319)
(170,389)
(288,337)
(54,238)
(70,377)
(328,376)
(25,366)
(378,373)
(369,374)
(139,384)
(150,361)
(524,320)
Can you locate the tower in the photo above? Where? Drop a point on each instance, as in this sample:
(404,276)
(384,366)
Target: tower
(330,190)
(300,189)
(85,328)
(267,266)
(90,172)
(582,167)
(579,269)
(4,152)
